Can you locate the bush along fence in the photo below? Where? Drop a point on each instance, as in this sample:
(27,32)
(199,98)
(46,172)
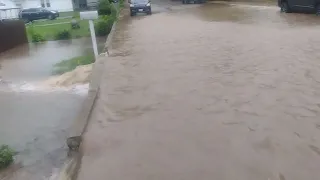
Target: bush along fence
(108,13)
(62,29)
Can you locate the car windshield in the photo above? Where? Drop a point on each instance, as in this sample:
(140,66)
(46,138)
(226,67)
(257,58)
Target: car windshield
(140,1)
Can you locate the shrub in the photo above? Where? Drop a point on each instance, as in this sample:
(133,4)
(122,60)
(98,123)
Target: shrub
(36,37)
(62,35)
(103,25)
(104,7)
(6,156)
(121,3)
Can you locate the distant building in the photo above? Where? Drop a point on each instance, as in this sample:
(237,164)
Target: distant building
(8,10)
(59,5)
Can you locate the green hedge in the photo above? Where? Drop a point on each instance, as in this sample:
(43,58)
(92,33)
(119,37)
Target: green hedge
(103,25)
(35,37)
(104,7)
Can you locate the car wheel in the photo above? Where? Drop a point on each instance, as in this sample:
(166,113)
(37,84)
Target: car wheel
(318,10)
(285,7)
(26,20)
(183,1)
(50,17)
(132,14)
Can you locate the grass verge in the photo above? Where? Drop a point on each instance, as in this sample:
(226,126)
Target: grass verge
(50,22)
(71,64)
(69,13)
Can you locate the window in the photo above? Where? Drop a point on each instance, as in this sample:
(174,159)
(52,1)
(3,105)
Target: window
(48,3)
(45,3)
(42,3)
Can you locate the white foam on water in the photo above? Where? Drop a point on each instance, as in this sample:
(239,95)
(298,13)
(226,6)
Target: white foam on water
(81,89)
(39,87)
(260,7)
(75,81)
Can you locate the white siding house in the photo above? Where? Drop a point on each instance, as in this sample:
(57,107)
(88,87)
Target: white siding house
(8,10)
(59,5)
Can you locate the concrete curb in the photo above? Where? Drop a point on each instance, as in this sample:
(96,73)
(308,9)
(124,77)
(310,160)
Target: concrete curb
(70,169)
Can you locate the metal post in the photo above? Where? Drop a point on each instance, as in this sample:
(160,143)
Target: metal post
(93,37)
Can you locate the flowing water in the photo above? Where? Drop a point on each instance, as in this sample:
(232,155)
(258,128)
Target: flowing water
(36,110)
(216,91)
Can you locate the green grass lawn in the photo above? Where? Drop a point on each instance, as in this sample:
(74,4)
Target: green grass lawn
(71,64)
(49,31)
(48,28)
(46,22)
(64,17)
(70,13)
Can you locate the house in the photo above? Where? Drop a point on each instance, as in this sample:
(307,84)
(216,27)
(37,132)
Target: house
(8,10)
(59,5)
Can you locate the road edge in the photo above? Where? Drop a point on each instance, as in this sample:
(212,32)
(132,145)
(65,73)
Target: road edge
(71,166)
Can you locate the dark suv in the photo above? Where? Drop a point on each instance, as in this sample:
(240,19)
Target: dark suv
(37,13)
(137,6)
(288,6)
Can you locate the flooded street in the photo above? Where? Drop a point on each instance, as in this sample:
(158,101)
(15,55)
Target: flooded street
(214,91)
(35,61)
(36,126)
(35,120)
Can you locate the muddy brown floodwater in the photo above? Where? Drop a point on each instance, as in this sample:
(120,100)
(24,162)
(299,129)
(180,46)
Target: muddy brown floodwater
(218,91)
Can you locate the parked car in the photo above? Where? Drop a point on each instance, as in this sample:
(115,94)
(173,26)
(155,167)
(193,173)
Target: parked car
(37,13)
(288,6)
(137,6)
(193,1)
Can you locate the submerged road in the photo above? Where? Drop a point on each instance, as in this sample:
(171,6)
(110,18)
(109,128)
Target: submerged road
(216,91)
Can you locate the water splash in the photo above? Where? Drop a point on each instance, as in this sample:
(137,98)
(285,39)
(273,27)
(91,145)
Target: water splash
(258,7)
(40,87)
(75,81)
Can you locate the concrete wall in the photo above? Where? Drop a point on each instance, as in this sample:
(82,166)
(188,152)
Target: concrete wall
(12,34)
